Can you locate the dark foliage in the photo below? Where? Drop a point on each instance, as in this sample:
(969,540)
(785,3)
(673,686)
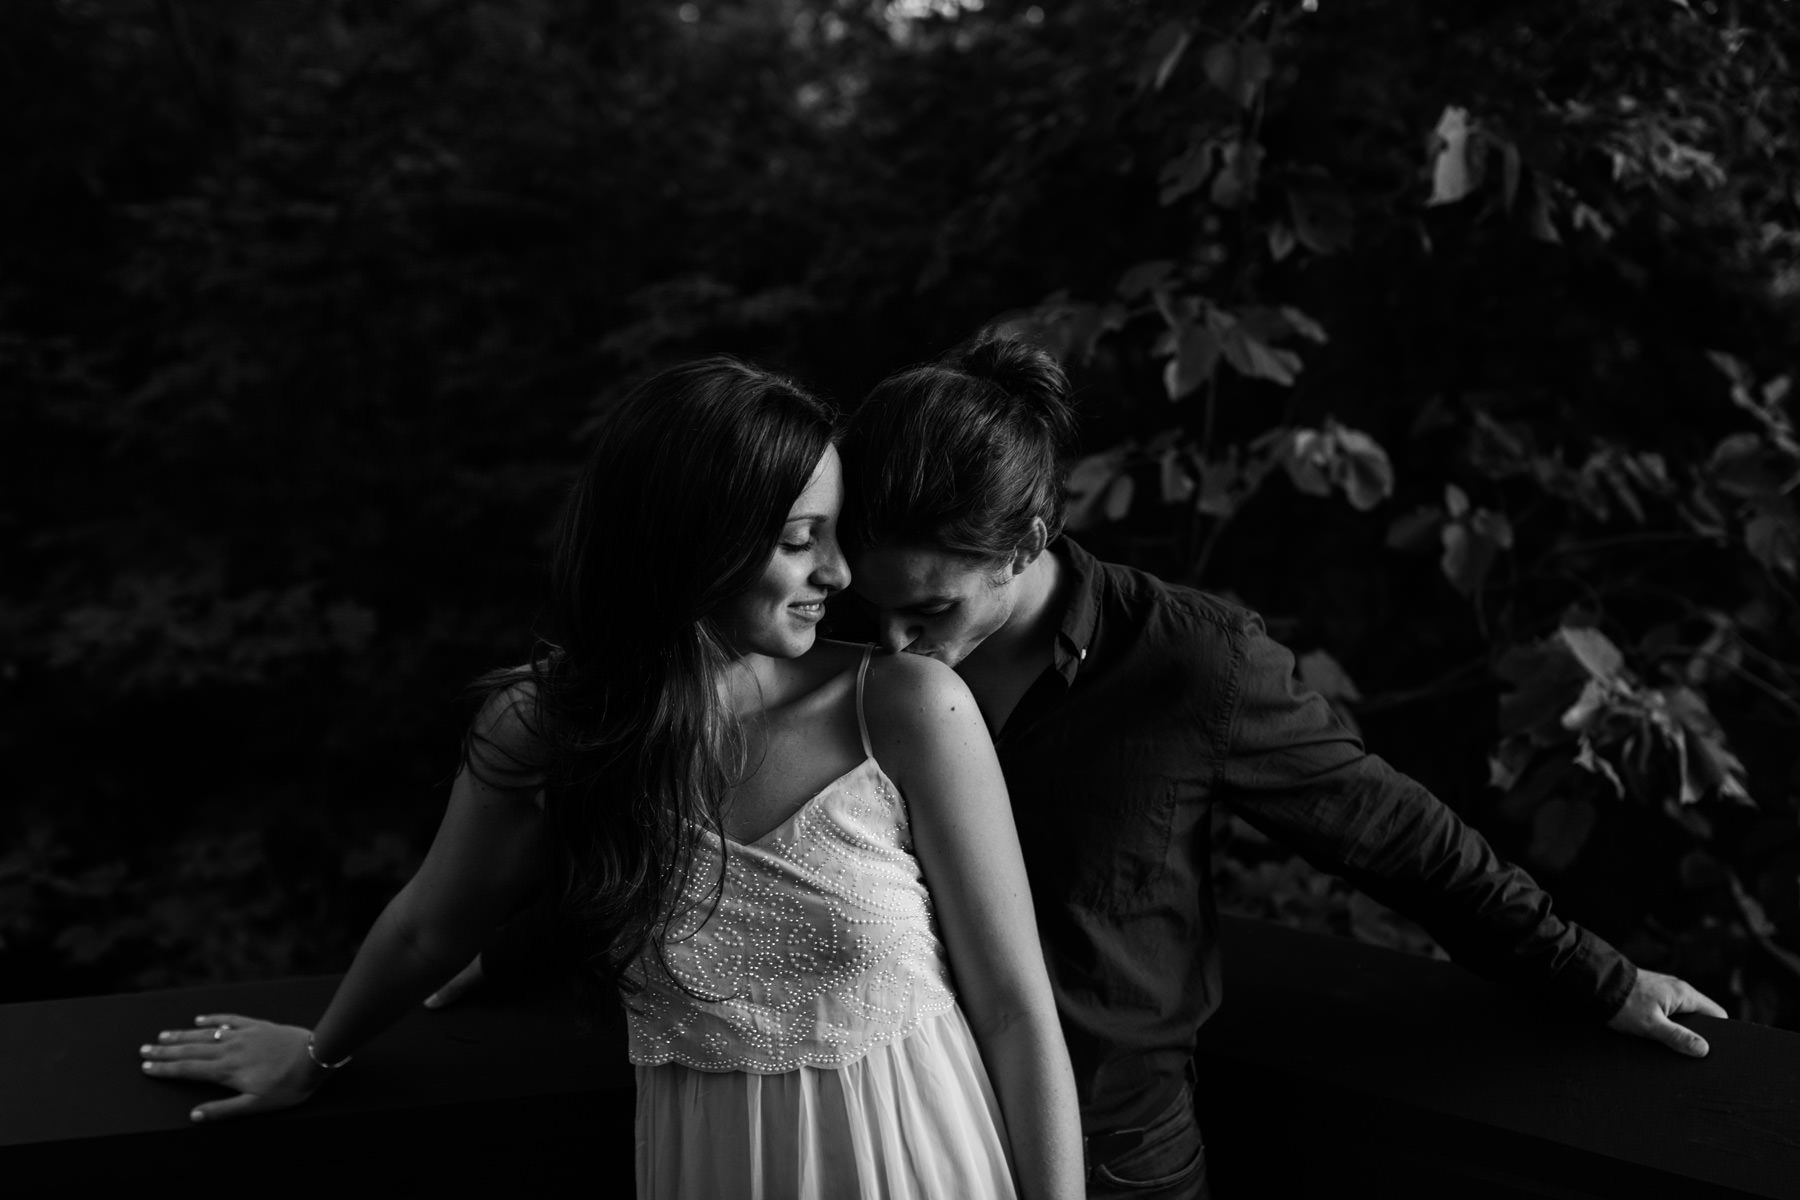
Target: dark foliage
(1457,339)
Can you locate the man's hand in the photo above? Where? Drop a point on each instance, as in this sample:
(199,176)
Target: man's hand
(471,977)
(1654,999)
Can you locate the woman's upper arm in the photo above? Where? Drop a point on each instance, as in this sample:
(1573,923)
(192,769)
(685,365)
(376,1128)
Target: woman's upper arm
(931,740)
(490,847)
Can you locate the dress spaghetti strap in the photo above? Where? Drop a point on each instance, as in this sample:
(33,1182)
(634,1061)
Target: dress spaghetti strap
(862,725)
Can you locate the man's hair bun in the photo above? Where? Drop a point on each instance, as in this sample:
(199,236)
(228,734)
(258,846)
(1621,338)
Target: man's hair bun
(1026,372)
(1013,364)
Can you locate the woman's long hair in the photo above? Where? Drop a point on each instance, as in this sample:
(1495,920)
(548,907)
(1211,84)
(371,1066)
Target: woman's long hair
(618,714)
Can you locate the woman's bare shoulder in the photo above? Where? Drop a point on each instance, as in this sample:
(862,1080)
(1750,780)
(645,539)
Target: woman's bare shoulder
(507,738)
(911,693)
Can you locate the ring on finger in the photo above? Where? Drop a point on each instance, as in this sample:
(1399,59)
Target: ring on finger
(219,1032)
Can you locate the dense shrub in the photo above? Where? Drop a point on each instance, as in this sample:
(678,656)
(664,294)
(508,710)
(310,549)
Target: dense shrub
(1458,341)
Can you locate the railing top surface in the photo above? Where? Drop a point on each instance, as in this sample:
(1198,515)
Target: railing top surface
(1323,1021)
(1397,1033)
(71,1068)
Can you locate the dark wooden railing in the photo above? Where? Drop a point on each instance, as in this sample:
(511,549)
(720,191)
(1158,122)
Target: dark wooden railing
(1334,1068)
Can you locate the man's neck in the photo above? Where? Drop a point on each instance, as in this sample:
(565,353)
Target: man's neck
(1028,638)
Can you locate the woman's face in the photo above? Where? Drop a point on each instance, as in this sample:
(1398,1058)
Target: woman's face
(778,615)
(929,601)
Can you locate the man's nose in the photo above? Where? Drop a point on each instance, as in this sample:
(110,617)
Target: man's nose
(897,634)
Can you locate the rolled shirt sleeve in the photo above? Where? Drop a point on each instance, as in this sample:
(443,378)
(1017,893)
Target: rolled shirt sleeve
(1294,772)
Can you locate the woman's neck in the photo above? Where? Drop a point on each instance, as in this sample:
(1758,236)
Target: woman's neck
(750,683)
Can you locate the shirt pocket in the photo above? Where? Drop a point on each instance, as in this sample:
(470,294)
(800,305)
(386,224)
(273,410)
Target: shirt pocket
(1122,840)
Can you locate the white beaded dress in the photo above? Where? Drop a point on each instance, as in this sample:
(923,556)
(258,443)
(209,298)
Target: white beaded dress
(817,1050)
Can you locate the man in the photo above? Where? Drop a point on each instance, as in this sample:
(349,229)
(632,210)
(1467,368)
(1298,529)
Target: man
(1123,708)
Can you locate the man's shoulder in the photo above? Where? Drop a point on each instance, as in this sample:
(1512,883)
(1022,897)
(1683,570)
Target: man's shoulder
(1155,602)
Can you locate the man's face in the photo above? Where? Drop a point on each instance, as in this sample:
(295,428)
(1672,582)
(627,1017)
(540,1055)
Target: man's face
(931,602)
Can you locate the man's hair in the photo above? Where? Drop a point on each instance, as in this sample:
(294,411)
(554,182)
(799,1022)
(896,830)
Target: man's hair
(962,454)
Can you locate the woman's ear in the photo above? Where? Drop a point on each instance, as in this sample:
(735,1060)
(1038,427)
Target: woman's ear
(1030,546)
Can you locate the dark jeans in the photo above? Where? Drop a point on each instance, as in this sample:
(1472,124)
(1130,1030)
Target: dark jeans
(1169,1164)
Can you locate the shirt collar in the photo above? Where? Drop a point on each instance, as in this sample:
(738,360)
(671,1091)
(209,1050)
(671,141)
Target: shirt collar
(1081,609)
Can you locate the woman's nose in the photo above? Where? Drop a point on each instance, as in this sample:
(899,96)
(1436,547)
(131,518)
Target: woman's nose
(832,570)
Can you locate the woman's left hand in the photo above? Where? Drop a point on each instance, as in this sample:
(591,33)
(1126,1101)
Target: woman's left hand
(266,1064)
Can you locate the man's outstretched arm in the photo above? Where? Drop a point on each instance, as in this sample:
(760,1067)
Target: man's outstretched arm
(1296,773)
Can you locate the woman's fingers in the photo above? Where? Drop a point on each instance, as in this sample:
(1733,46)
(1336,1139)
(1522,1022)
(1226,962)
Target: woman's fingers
(220,1110)
(209,1070)
(180,1051)
(469,977)
(215,1019)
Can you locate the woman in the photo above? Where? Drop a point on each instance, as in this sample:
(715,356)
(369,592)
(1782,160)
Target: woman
(720,793)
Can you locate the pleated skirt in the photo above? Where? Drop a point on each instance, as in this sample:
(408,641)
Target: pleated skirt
(914,1119)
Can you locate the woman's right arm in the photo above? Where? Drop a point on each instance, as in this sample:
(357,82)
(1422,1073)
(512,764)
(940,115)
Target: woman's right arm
(930,738)
(488,852)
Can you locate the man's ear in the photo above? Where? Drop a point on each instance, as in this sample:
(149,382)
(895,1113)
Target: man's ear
(1030,546)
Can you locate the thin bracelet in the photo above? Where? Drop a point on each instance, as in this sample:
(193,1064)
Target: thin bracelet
(321,1063)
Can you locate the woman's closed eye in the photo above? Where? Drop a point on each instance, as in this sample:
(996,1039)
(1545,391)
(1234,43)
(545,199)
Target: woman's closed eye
(800,547)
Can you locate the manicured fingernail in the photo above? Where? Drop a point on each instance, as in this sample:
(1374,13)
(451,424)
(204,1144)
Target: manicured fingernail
(196,1115)
(199,1020)
(431,1001)
(144,1050)
(149,1066)
(164,1036)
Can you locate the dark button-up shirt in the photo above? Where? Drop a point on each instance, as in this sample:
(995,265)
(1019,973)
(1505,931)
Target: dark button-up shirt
(1162,701)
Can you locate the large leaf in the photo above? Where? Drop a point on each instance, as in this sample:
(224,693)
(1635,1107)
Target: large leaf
(1187,171)
(1240,166)
(1323,220)
(1365,474)
(1417,530)
(1163,55)
(1177,483)
(1560,828)
(1773,538)
(1304,325)
(1472,545)
(1221,484)
(1337,457)
(1545,680)
(1196,357)
(1594,651)
(1116,504)
(1089,485)
(1257,359)
(1747,466)
(1141,278)
(1238,69)
(1455,164)
(1711,766)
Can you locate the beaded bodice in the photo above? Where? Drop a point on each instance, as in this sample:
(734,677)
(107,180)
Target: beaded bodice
(822,944)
